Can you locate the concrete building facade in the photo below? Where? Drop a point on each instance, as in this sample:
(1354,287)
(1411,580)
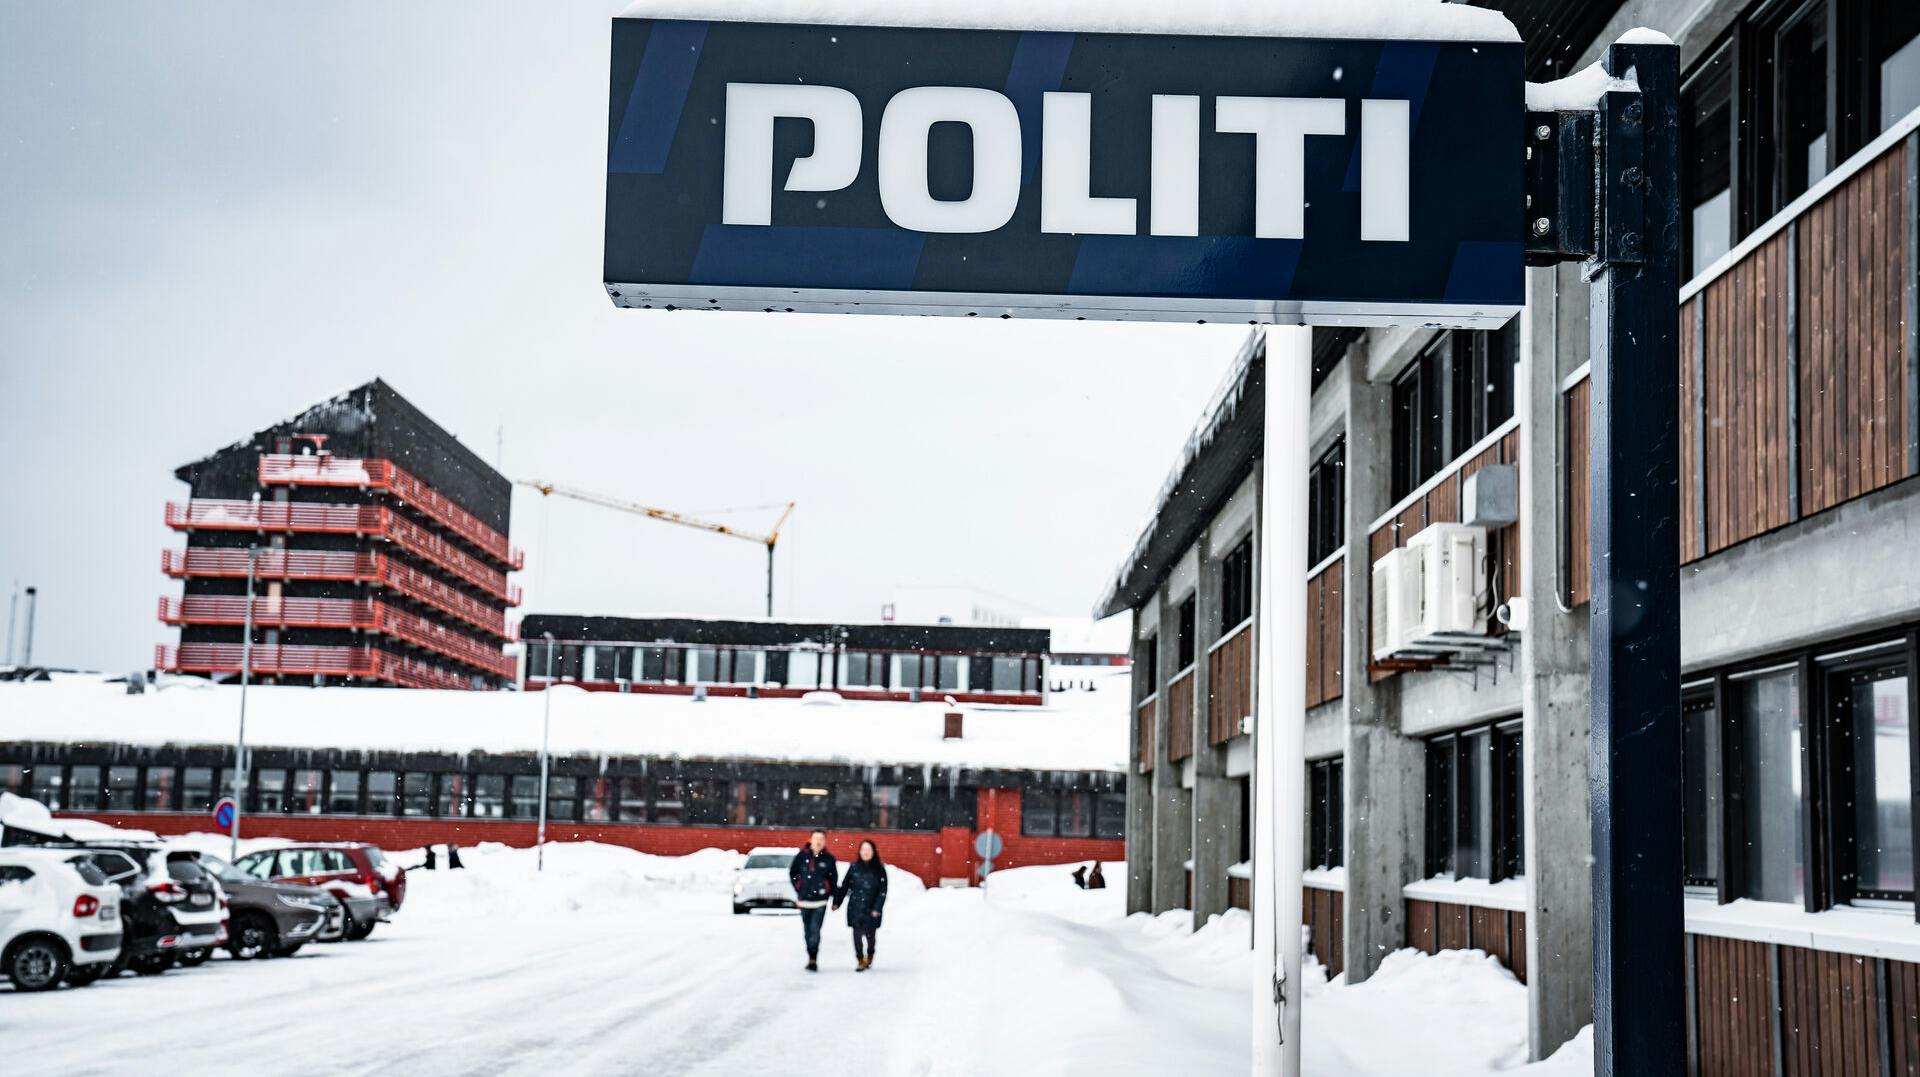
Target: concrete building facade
(1447,771)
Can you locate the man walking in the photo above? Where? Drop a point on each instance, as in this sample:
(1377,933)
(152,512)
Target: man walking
(815,877)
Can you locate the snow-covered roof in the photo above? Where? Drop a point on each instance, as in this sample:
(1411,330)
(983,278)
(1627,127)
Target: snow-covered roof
(1079,731)
(1425,20)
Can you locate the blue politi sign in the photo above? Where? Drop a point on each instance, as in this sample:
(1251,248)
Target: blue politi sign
(753,166)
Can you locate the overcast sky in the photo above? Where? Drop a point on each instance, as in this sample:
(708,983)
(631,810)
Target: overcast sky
(213,215)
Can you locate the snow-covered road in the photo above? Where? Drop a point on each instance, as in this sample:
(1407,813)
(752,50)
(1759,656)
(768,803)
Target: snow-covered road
(613,962)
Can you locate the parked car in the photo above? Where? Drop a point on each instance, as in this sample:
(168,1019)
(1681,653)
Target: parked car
(273,919)
(55,917)
(168,904)
(762,882)
(369,885)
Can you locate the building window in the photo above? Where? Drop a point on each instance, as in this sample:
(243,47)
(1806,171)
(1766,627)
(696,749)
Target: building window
(660,665)
(1771,759)
(747,667)
(1326,806)
(863,670)
(1015,675)
(1873,738)
(343,792)
(304,795)
(1475,804)
(1326,504)
(908,672)
(1701,820)
(451,803)
(608,660)
(1076,814)
(703,665)
(563,798)
(121,790)
(849,805)
(1454,393)
(668,807)
(383,793)
(157,792)
(1147,662)
(597,798)
(1186,638)
(1236,586)
(803,669)
(952,673)
(49,788)
(270,791)
(1706,159)
(707,802)
(744,806)
(1039,813)
(416,794)
(1110,816)
(16,778)
(886,807)
(523,797)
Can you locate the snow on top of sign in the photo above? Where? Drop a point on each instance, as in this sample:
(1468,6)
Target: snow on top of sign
(1422,20)
(1582,90)
(1076,731)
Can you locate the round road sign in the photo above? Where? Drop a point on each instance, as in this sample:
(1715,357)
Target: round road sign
(988,844)
(224,812)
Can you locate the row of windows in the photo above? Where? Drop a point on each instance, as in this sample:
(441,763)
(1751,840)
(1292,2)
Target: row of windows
(1797,87)
(1799,779)
(460,795)
(895,671)
(1326,503)
(1453,394)
(1051,813)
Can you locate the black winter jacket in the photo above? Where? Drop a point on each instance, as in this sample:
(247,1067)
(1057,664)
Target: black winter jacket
(813,874)
(865,892)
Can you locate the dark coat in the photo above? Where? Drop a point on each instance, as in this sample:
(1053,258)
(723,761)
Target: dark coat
(813,875)
(865,892)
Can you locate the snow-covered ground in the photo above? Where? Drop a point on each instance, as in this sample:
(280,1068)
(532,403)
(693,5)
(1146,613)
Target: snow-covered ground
(613,961)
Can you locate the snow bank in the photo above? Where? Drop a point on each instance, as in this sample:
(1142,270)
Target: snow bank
(1090,734)
(1050,891)
(1429,20)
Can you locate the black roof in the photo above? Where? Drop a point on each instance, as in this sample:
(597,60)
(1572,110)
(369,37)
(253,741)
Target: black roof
(755,633)
(369,421)
(1555,33)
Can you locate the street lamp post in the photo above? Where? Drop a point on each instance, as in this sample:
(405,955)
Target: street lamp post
(240,742)
(546,728)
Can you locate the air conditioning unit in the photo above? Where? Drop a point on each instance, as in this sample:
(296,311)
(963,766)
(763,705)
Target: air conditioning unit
(1395,602)
(1451,584)
(1430,595)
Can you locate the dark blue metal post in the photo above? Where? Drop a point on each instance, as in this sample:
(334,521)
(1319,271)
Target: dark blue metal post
(1639,1005)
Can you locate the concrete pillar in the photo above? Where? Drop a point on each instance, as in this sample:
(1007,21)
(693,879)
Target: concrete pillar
(1172,823)
(1554,694)
(1139,785)
(1215,799)
(1385,772)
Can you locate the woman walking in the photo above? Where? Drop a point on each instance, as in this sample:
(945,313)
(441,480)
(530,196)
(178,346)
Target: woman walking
(865,892)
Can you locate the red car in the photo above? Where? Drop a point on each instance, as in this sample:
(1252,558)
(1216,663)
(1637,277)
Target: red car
(368,883)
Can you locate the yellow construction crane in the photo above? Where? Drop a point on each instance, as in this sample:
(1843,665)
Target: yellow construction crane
(769,540)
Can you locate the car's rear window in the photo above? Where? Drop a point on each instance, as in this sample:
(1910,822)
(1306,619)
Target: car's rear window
(375,857)
(89,872)
(776,860)
(186,871)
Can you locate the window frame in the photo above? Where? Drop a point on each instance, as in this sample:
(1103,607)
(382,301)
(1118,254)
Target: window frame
(1505,855)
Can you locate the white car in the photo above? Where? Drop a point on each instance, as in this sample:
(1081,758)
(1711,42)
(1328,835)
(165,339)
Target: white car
(762,882)
(55,916)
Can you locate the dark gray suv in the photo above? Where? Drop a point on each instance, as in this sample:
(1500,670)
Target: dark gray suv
(272,919)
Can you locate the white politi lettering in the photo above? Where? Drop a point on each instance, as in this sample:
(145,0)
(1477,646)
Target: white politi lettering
(1067,203)
(903,159)
(747,184)
(1174,208)
(1386,144)
(1280,126)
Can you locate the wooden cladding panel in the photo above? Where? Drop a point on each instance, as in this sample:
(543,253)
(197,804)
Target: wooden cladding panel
(1324,912)
(1230,685)
(1579,581)
(1733,1006)
(1579,450)
(1145,731)
(1903,1018)
(1180,717)
(1324,633)
(1829,1014)
(1433,926)
(1853,348)
(1239,893)
(1745,342)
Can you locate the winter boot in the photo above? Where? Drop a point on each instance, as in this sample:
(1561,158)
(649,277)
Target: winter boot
(813,961)
(866,962)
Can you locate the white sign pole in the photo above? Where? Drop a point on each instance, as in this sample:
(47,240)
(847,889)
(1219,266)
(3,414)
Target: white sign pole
(1279,740)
